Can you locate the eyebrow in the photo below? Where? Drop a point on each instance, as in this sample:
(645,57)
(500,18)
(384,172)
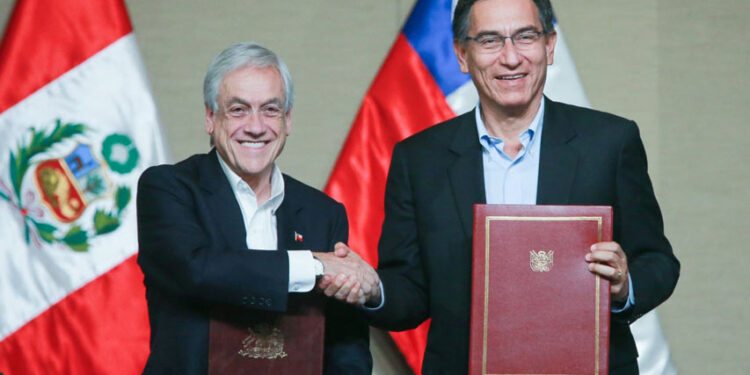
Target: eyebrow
(238,100)
(246,103)
(276,101)
(521,30)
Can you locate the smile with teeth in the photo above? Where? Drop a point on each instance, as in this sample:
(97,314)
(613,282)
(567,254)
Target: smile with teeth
(252,144)
(516,76)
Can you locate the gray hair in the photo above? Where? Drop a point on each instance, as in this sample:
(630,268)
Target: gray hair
(463,8)
(239,55)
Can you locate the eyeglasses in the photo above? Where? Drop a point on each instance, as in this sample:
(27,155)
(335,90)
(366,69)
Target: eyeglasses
(492,42)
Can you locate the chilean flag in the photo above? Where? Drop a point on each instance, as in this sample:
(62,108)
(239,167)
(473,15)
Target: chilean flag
(78,126)
(420,84)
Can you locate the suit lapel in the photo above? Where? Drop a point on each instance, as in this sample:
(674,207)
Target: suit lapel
(221,200)
(558,160)
(288,225)
(466,173)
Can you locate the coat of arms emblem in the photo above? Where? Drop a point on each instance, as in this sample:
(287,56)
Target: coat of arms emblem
(541,261)
(264,341)
(68,184)
(69,179)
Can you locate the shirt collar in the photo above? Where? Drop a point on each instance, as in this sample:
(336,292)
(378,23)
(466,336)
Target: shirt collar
(486,140)
(239,186)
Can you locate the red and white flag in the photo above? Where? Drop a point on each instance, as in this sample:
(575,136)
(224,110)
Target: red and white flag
(78,126)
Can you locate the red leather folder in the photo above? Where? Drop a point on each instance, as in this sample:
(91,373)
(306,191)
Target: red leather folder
(244,341)
(536,308)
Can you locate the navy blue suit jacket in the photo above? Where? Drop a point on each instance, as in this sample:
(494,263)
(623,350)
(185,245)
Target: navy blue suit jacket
(194,256)
(435,178)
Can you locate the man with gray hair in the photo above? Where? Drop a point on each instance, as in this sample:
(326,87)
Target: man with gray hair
(227,228)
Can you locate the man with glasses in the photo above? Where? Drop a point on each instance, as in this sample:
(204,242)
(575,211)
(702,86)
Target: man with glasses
(516,147)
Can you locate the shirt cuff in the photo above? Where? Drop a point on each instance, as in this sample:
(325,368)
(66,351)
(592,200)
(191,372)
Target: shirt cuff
(382,300)
(301,271)
(631,297)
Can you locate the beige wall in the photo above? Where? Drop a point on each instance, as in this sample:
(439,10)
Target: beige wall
(677,67)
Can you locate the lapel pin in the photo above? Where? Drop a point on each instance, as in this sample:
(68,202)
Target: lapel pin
(297,237)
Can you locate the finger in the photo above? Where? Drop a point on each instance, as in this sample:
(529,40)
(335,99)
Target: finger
(620,290)
(341,250)
(343,292)
(324,282)
(603,270)
(354,295)
(606,246)
(366,287)
(603,257)
(372,282)
(617,263)
(361,299)
(335,285)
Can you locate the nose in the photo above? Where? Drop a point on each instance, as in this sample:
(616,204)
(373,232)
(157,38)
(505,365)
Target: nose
(509,55)
(254,124)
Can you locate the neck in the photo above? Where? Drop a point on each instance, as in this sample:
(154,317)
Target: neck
(508,123)
(261,185)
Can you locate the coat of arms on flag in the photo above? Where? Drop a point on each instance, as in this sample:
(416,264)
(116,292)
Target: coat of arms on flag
(68,179)
(79,125)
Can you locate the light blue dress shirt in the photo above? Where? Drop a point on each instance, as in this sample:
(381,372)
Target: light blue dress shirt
(506,180)
(514,181)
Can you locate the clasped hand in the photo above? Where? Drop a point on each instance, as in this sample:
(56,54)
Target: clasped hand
(348,277)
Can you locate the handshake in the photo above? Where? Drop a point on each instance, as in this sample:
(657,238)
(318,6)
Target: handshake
(348,277)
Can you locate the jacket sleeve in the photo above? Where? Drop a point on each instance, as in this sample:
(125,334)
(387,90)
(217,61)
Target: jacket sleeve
(183,255)
(640,230)
(400,265)
(347,341)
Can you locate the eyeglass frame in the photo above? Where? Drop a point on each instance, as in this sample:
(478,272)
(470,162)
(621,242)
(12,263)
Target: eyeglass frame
(538,34)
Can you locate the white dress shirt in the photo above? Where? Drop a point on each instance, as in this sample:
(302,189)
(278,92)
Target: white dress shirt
(260,226)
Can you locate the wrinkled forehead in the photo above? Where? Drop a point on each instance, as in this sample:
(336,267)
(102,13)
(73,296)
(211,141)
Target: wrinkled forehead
(251,80)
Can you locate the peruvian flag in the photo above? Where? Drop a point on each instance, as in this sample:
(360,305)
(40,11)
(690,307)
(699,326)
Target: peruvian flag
(78,126)
(420,84)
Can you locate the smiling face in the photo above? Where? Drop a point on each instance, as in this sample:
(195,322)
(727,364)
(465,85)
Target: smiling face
(250,126)
(508,80)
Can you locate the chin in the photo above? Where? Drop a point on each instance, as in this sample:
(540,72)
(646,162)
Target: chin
(253,170)
(515,104)
(516,101)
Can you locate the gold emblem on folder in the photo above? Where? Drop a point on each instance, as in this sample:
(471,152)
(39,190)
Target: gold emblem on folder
(263,342)
(541,261)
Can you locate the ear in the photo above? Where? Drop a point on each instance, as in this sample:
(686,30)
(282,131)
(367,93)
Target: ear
(209,121)
(549,46)
(288,121)
(461,50)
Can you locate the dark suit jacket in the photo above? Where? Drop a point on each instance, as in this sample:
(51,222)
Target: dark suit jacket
(435,178)
(194,256)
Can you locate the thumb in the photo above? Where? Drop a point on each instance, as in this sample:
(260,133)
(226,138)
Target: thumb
(341,250)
